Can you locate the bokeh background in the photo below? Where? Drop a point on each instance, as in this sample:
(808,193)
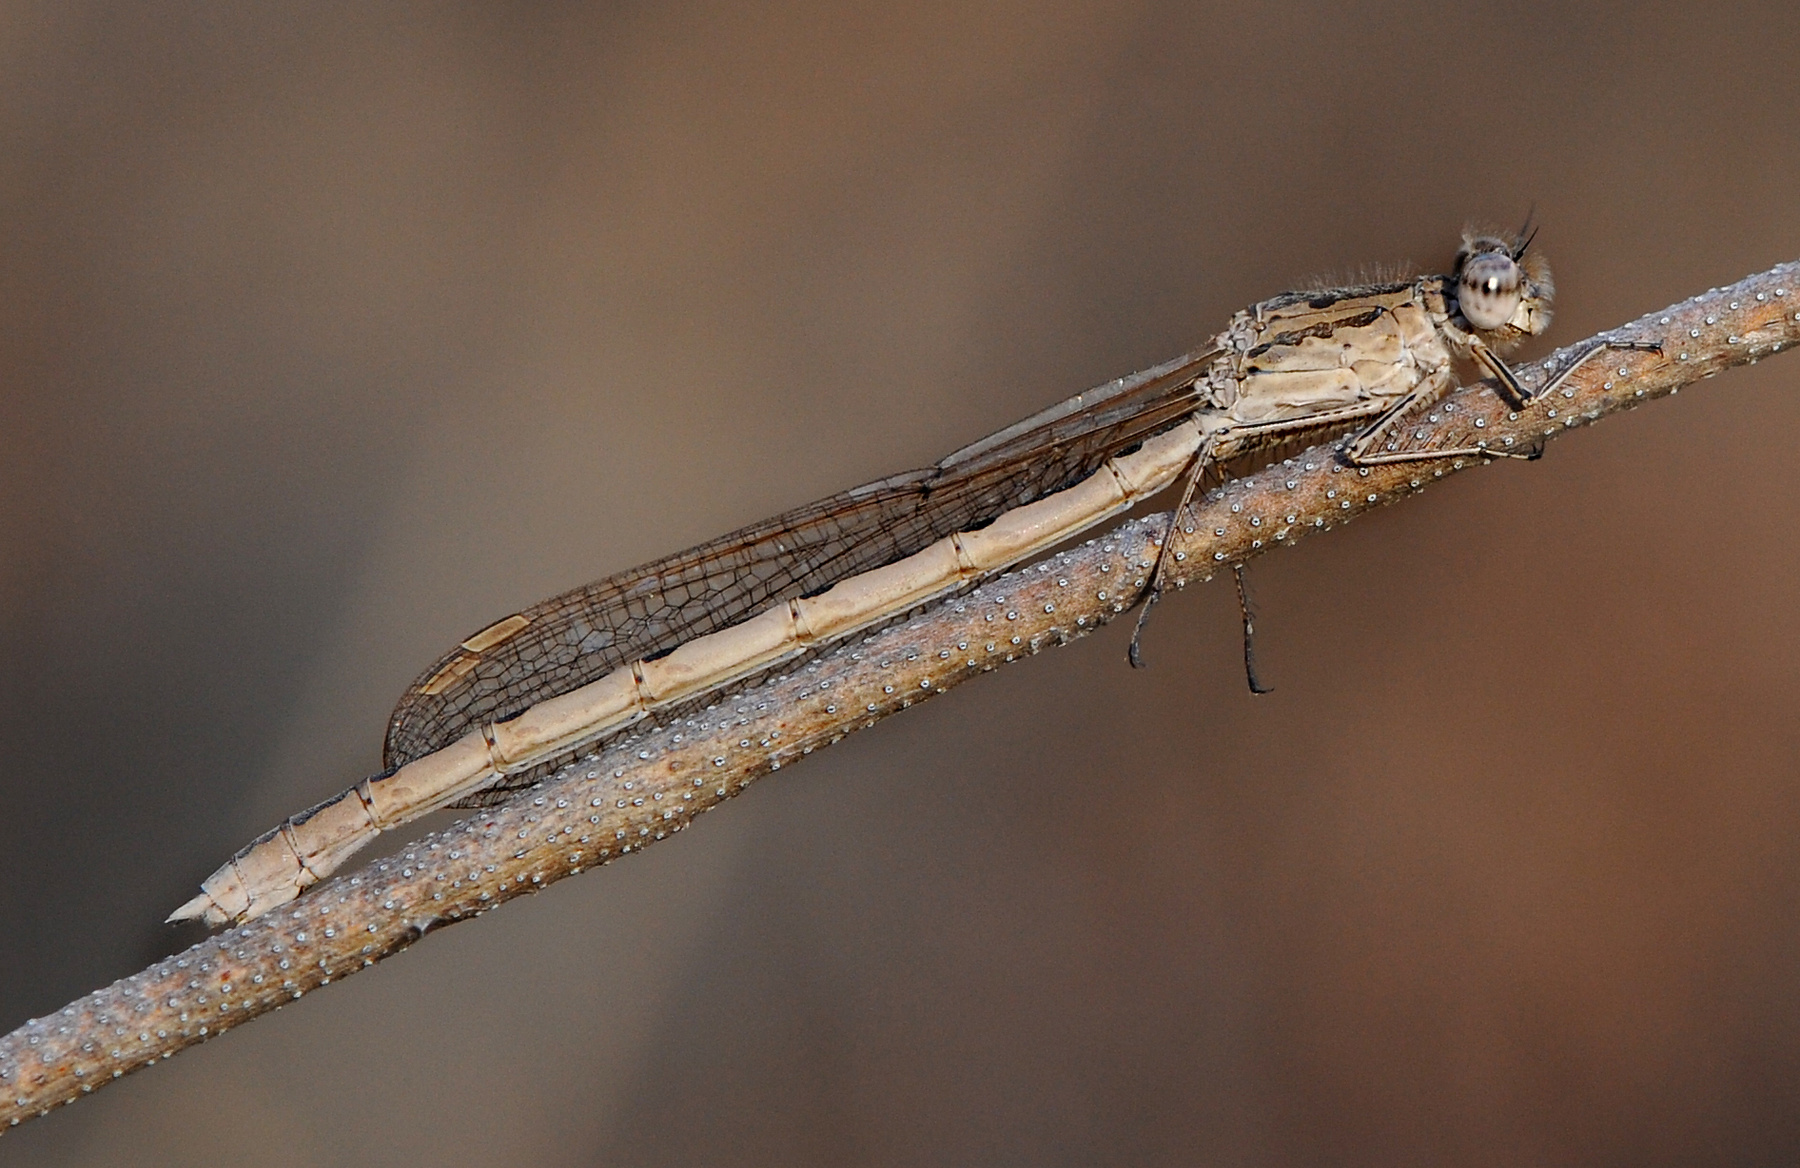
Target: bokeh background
(328,334)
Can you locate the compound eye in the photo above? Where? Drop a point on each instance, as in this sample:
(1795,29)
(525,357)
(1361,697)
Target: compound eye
(1488,289)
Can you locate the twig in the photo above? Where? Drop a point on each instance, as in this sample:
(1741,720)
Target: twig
(653,783)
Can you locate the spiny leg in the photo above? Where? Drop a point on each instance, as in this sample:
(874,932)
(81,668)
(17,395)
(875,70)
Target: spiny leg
(1357,449)
(1256,685)
(1240,437)
(1202,459)
(1359,452)
(1498,367)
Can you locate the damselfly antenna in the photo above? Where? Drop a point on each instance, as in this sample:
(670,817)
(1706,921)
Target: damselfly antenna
(1527,233)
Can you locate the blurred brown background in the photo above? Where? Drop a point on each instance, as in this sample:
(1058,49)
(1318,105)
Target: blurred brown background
(329,335)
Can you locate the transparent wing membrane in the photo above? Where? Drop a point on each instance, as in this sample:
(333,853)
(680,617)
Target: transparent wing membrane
(571,639)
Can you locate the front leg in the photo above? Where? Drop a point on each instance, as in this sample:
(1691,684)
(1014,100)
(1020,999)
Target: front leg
(1361,450)
(1490,361)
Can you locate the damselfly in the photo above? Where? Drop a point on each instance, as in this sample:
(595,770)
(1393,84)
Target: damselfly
(550,682)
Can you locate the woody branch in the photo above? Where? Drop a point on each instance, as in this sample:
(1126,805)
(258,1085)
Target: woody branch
(652,784)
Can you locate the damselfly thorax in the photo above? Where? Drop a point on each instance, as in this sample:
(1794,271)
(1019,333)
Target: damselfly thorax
(1302,360)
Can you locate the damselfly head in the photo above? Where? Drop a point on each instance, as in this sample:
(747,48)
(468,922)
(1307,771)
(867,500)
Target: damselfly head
(1499,289)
